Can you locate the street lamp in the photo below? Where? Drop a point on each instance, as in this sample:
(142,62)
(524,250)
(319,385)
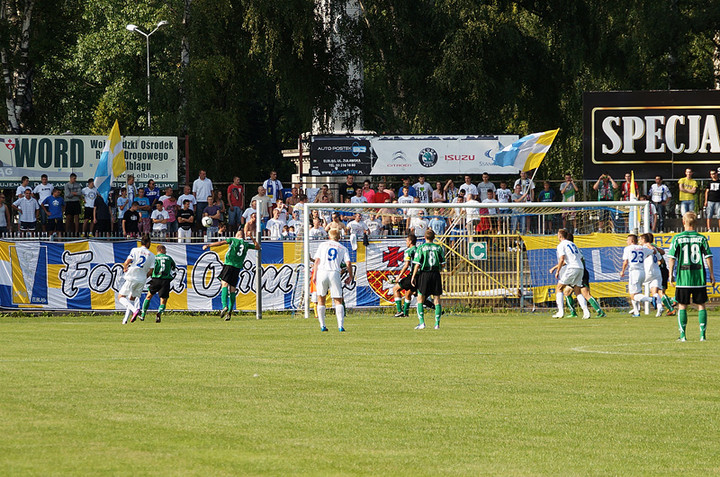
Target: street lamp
(134,28)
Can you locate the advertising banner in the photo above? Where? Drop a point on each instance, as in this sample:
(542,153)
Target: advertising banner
(651,132)
(86,275)
(147,157)
(603,261)
(408,155)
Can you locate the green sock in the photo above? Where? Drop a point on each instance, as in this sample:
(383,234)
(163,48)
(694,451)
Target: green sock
(398,305)
(233,295)
(702,318)
(682,320)
(421,312)
(146,305)
(406,307)
(224,297)
(438,313)
(570,303)
(666,302)
(593,302)
(161,309)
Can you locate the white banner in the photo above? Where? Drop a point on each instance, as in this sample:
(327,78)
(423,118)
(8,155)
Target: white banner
(147,157)
(436,155)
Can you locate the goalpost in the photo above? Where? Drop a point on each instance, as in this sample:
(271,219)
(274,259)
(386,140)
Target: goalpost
(466,224)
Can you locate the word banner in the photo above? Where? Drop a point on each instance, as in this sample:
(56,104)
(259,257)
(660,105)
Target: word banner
(146,157)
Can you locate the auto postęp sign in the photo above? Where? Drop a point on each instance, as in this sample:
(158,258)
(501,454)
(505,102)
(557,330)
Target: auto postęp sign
(651,132)
(146,157)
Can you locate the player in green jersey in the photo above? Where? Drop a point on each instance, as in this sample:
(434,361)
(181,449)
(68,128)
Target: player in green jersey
(162,276)
(688,249)
(428,261)
(403,284)
(234,262)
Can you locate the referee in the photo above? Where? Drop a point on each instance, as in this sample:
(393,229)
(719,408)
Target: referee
(162,276)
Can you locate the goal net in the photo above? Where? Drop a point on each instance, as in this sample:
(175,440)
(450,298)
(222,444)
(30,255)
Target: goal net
(497,254)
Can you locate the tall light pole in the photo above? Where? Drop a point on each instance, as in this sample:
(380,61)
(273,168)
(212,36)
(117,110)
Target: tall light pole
(134,28)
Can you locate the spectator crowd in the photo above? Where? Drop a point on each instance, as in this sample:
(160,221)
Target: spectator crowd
(277,213)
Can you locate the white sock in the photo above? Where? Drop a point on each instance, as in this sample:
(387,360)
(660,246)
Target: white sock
(127,304)
(340,312)
(559,297)
(127,315)
(582,301)
(636,306)
(321,315)
(641,298)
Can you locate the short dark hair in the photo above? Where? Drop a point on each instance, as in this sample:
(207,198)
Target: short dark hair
(186,201)
(145,240)
(24,178)
(43,176)
(412,238)
(72,174)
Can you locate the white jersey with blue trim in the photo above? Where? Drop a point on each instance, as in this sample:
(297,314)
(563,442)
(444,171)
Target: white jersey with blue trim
(331,255)
(635,255)
(142,261)
(573,255)
(652,263)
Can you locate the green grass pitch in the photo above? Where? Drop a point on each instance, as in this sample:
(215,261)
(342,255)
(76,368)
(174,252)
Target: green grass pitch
(500,394)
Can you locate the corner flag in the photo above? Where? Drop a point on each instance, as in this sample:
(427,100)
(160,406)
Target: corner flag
(528,152)
(112,162)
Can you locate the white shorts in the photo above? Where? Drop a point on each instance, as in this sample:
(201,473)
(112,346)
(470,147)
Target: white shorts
(133,289)
(329,280)
(184,235)
(653,281)
(635,281)
(572,276)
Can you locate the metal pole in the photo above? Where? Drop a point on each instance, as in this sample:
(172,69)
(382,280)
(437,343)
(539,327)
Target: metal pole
(147,40)
(258,275)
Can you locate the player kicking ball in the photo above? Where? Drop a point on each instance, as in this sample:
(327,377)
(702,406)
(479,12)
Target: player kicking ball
(568,271)
(328,259)
(429,259)
(232,265)
(404,287)
(633,261)
(688,249)
(137,267)
(160,282)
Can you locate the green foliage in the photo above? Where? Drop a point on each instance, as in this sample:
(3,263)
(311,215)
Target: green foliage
(259,70)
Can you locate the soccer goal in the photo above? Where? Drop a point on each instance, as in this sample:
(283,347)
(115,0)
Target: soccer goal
(487,260)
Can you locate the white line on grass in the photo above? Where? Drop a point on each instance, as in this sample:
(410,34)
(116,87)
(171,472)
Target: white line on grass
(675,347)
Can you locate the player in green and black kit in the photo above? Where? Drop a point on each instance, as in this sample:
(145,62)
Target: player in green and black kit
(689,248)
(234,263)
(160,282)
(429,259)
(404,284)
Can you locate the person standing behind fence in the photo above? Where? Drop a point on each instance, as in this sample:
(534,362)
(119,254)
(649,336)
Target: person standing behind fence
(484,186)
(660,195)
(43,190)
(626,188)
(5,218)
(568,190)
(236,201)
(90,193)
(186,217)
(54,206)
(347,189)
(712,198)
(28,208)
(131,221)
(202,189)
(132,190)
(273,187)
(123,204)
(73,193)
(24,185)
(187,195)
(605,187)
(469,189)
(423,190)
(101,216)
(688,190)
(145,211)
(170,205)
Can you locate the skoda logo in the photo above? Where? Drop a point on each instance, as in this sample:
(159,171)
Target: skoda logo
(428,157)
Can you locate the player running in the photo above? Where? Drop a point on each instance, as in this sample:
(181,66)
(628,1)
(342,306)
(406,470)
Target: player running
(653,275)
(585,296)
(233,264)
(688,249)
(161,278)
(568,271)
(633,261)
(404,284)
(328,257)
(137,268)
(429,259)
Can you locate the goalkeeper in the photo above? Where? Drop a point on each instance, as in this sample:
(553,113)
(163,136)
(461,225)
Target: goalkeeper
(404,286)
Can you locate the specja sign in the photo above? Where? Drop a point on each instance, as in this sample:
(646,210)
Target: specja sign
(651,132)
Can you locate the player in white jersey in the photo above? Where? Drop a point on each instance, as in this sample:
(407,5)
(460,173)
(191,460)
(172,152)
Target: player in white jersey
(568,271)
(137,267)
(328,259)
(634,261)
(653,275)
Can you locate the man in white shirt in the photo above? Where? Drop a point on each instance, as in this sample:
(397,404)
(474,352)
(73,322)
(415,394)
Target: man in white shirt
(137,267)
(202,189)
(89,193)
(24,185)
(187,195)
(358,227)
(527,186)
(273,187)
(423,190)
(328,259)
(160,218)
(43,190)
(296,223)
(28,208)
(275,225)
(472,215)
(660,195)
(634,261)
(418,224)
(469,189)
(568,271)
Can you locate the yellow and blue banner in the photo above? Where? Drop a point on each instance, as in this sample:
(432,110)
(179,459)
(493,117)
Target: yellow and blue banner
(112,162)
(528,152)
(603,261)
(86,275)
